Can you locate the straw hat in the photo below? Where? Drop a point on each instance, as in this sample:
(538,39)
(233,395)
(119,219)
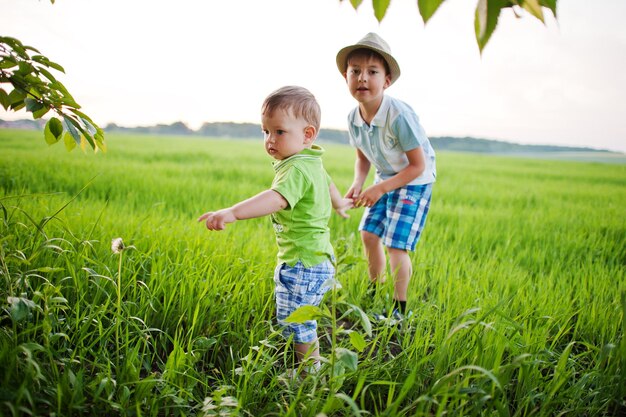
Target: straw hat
(375,43)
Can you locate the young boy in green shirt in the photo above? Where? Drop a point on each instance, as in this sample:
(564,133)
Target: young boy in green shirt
(299,204)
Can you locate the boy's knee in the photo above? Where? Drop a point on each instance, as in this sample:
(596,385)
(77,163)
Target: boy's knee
(397,252)
(369,239)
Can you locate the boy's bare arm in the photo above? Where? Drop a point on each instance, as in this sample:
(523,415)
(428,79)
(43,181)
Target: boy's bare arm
(340,204)
(417,164)
(361,169)
(262,204)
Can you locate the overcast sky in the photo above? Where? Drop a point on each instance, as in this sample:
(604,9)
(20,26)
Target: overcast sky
(144,62)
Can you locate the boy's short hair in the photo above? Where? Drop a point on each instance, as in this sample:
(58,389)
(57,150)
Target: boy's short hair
(368,54)
(298,101)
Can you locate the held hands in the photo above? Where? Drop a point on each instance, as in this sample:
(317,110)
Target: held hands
(367,198)
(217,220)
(343,205)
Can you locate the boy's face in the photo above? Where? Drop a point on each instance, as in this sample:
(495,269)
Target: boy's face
(285,135)
(367,79)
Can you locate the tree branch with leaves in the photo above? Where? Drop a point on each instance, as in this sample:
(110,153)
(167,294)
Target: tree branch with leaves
(27,82)
(486,15)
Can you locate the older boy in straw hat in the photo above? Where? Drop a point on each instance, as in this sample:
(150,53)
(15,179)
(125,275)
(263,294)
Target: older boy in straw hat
(387,134)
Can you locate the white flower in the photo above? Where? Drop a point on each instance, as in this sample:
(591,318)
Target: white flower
(117,246)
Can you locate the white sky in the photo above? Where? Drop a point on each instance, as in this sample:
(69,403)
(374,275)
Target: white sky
(143,62)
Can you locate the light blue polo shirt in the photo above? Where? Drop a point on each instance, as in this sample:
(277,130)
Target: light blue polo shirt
(394,130)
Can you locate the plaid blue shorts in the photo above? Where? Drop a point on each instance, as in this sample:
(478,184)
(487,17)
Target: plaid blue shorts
(399,216)
(298,286)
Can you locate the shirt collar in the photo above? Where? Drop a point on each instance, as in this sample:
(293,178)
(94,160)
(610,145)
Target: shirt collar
(379,119)
(314,152)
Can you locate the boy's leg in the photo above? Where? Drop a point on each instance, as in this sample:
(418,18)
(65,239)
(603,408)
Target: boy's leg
(401,270)
(408,209)
(308,352)
(375,253)
(297,286)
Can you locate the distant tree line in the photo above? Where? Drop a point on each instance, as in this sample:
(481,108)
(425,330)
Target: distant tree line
(231,130)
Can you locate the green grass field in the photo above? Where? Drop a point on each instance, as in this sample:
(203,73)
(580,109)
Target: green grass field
(518,292)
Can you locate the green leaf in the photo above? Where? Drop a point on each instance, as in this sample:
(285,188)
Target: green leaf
(54,337)
(15,45)
(428,8)
(16,96)
(356,3)
(25,67)
(380,8)
(69,100)
(17,106)
(7,62)
(47,74)
(347,358)
(32,105)
(30,48)
(33,81)
(20,307)
(99,139)
(53,131)
(89,137)
(365,320)
(4,99)
(12,42)
(486,19)
(534,8)
(71,126)
(70,144)
(38,114)
(550,4)
(358,341)
(56,127)
(56,66)
(305,313)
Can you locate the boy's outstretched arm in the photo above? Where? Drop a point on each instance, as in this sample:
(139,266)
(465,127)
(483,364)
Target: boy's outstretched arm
(262,204)
(340,204)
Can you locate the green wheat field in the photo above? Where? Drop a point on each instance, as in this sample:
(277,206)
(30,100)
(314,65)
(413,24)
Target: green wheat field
(518,292)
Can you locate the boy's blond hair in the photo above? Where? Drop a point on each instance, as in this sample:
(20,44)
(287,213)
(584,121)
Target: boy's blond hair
(298,101)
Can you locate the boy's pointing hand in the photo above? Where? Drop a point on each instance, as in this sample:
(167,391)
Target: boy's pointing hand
(217,220)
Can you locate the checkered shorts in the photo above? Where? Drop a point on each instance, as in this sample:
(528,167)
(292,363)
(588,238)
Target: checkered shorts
(399,216)
(298,286)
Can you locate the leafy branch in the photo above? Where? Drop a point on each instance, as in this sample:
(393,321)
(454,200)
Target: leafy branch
(27,82)
(485,17)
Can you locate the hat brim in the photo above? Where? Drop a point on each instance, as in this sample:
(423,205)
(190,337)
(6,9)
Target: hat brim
(342,55)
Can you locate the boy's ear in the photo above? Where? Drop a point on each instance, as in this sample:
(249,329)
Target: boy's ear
(309,134)
(387,81)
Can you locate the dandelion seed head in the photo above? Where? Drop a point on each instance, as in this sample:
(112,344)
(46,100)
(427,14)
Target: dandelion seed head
(117,245)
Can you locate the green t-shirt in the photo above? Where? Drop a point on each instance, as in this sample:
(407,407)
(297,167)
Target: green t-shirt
(302,232)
